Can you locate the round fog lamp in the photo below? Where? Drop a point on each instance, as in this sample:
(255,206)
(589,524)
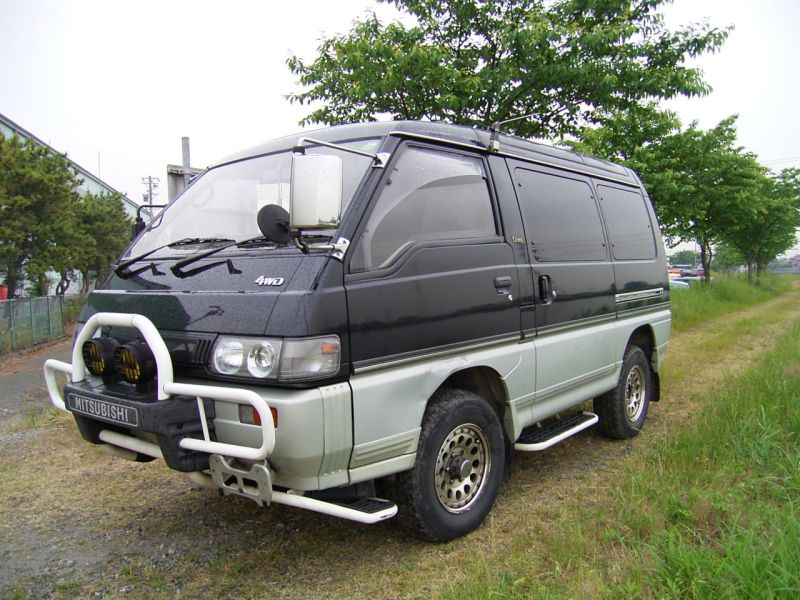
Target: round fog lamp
(135,362)
(228,357)
(261,360)
(98,355)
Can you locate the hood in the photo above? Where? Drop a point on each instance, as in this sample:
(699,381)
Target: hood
(219,299)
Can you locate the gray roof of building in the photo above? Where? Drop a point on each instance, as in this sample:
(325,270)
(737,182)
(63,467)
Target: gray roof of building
(84,173)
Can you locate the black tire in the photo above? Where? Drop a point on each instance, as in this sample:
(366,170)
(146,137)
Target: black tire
(466,489)
(623,410)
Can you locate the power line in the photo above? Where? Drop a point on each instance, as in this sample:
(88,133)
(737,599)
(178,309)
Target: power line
(780,160)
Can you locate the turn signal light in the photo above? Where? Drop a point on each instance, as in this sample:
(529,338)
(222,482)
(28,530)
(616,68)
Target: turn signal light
(249,415)
(98,355)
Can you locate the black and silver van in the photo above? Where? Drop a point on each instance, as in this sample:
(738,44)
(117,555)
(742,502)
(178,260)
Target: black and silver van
(370,319)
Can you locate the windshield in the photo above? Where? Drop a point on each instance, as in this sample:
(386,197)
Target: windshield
(222,205)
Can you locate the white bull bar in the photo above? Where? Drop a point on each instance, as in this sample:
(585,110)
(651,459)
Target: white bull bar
(166,386)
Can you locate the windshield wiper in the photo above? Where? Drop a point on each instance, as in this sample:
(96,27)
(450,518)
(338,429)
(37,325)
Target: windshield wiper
(193,241)
(122,268)
(177,268)
(253,242)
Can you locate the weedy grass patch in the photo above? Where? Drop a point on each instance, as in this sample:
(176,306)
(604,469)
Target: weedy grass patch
(728,489)
(723,295)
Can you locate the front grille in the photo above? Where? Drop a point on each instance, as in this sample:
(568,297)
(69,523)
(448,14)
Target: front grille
(187,349)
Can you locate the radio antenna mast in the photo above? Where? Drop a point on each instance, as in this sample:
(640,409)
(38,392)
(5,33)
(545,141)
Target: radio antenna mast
(494,140)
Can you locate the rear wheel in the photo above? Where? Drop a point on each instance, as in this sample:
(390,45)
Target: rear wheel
(623,410)
(460,462)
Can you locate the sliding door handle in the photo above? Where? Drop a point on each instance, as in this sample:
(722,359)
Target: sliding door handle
(546,294)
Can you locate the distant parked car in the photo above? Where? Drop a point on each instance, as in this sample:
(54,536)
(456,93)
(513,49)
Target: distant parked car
(694,280)
(677,284)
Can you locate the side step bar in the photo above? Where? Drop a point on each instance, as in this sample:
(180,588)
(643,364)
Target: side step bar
(365,510)
(536,438)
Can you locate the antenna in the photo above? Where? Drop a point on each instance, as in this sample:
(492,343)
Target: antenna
(494,140)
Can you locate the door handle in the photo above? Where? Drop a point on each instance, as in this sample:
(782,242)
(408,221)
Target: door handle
(502,282)
(503,286)
(546,294)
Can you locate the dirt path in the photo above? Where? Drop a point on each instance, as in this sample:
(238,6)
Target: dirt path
(74,522)
(22,389)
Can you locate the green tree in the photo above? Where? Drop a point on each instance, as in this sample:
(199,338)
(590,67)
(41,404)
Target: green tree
(568,62)
(772,229)
(684,257)
(702,184)
(727,258)
(37,189)
(104,228)
(626,133)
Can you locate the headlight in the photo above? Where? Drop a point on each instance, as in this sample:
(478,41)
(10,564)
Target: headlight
(228,356)
(261,359)
(246,357)
(284,360)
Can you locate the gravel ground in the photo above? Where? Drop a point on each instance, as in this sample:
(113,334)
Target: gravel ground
(22,380)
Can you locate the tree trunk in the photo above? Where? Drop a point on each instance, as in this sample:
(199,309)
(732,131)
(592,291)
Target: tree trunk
(13,269)
(63,285)
(86,284)
(760,266)
(749,261)
(705,258)
(11,281)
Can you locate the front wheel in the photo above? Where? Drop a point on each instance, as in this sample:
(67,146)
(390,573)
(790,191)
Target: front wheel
(623,410)
(460,462)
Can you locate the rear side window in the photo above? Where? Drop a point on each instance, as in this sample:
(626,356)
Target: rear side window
(561,218)
(428,196)
(629,229)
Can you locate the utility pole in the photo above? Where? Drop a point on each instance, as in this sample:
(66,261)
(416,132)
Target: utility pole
(187,169)
(152,187)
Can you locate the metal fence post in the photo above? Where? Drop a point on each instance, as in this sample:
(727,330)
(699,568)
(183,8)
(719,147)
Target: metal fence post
(61,309)
(49,322)
(13,332)
(33,329)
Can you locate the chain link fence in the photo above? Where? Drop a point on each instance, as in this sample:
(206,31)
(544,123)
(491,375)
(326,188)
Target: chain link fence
(25,322)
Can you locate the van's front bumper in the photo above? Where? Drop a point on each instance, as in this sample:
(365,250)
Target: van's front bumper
(184,421)
(89,402)
(97,408)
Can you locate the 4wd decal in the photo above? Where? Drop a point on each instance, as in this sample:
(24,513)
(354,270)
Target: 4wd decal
(264,280)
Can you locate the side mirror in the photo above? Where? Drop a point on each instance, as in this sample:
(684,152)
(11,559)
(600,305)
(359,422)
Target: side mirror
(138,227)
(139,224)
(316,191)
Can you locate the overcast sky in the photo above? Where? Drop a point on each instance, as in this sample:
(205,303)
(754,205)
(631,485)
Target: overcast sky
(115,84)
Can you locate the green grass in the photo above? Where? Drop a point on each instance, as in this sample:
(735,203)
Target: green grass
(728,490)
(712,512)
(33,419)
(725,294)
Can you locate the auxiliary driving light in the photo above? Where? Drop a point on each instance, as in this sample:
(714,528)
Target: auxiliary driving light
(135,362)
(98,355)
